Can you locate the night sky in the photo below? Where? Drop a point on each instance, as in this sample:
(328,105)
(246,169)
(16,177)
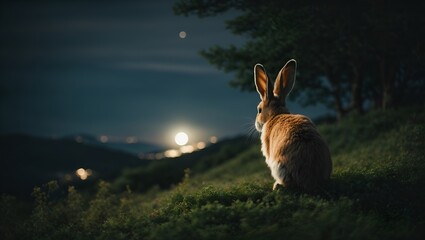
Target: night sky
(118,69)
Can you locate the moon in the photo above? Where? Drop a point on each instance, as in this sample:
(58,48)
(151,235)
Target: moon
(182,34)
(181,138)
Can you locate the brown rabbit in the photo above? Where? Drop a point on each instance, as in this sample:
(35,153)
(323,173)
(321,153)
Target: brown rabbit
(295,152)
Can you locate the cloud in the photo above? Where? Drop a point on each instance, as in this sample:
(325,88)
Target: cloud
(169,67)
(131,52)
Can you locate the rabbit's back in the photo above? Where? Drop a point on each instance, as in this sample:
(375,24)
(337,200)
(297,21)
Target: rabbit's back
(296,153)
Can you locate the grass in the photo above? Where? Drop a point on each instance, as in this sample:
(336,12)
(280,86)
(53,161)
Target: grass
(376,192)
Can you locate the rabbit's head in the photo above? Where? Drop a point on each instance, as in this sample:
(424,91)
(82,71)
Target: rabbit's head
(273,99)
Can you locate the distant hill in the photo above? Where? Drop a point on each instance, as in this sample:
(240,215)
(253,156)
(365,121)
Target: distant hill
(29,161)
(134,146)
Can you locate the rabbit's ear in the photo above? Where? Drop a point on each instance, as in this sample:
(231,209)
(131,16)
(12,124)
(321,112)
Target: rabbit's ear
(285,80)
(262,82)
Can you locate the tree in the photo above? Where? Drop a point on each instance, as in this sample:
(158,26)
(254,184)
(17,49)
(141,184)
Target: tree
(349,53)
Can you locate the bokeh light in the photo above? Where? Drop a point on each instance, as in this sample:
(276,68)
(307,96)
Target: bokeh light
(172,153)
(83,173)
(104,139)
(187,149)
(201,145)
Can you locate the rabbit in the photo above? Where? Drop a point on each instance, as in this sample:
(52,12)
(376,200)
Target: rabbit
(296,154)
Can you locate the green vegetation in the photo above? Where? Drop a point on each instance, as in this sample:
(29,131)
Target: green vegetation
(376,192)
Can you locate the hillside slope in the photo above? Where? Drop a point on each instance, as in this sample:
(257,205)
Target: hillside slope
(167,172)
(29,161)
(375,192)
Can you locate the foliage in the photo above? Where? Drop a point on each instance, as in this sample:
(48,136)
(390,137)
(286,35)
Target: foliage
(376,192)
(350,53)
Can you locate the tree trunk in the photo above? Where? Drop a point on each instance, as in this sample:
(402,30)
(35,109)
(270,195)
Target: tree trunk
(387,75)
(356,90)
(336,93)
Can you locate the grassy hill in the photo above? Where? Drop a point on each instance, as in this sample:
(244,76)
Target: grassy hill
(29,161)
(376,192)
(167,172)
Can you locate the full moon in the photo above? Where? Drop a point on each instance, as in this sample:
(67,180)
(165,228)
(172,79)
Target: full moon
(181,138)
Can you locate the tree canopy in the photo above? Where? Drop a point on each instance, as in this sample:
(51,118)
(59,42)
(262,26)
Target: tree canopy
(351,55)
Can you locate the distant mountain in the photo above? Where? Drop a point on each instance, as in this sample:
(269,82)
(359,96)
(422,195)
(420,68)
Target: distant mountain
(29,161)
(132,145)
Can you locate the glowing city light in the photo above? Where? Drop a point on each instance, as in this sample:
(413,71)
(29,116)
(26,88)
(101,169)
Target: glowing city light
(83,173)
(172,153)
(104,139)
(213,139)
(201,145)
(187,149)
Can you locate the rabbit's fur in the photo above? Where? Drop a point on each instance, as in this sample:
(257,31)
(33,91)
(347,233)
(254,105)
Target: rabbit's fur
(295,152)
